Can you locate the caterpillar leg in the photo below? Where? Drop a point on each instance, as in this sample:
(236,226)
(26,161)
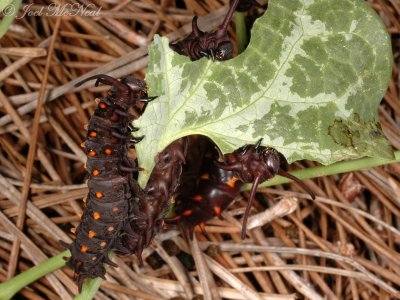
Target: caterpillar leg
(129,169)
(123,137)
(125,114)
(132,128)
(257,146)
(148,99)
(136,140)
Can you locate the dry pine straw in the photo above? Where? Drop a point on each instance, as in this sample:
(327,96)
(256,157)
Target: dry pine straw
(342,246)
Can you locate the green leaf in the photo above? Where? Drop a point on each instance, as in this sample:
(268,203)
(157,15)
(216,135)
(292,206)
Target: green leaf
(309,84)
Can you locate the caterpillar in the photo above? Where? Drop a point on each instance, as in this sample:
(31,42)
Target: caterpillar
(154,200)
(215,45)
(219,183)
(110,205)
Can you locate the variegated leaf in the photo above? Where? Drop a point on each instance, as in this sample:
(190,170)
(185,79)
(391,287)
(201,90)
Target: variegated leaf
(309,84)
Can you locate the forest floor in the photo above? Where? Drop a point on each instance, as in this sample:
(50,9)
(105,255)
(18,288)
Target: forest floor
(344,245)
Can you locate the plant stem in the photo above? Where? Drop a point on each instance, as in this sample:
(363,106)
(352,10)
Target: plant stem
(337,168)
(89,289)
(11,287)
(8,18)
(4,4)
(241,33)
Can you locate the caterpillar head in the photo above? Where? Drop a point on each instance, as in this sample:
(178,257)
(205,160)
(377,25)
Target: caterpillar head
(134,84)
(271,161)
(254,161)
(222,49)
(256,164)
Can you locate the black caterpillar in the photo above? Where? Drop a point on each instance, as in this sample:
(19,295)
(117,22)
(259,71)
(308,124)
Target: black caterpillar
(215,45)
(110,206)
(154,201)
(113,220)
(219,183)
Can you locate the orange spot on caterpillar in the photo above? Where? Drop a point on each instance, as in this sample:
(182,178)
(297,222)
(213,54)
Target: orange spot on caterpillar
(91,233)
(96,216)
(95,172)
(73,230)
(202,226)
(197,198)
(92,153)
(187,213)
(93,134)
(108,151)
(103,244)
(102,105)
(84,249)
(205,176)
(232,181)
(99,195)
(217,211)
(110,229)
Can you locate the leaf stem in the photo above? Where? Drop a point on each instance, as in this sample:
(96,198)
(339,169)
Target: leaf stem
(8,18)
(337,168)
(11,287)
(89,289)
(241,31)
(4,4)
